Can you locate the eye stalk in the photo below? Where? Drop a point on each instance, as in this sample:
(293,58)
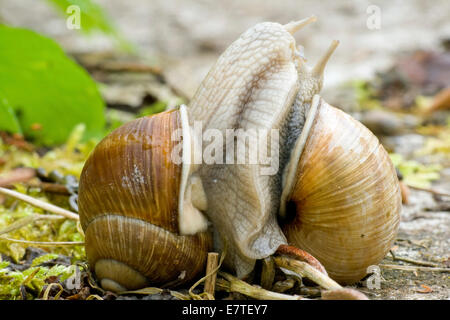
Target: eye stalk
(133,208)
(294,26)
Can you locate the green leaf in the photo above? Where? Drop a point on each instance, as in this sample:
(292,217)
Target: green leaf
(156,107)
(92,18)
(59,270)
(4,264)
(48,92)
(8,120)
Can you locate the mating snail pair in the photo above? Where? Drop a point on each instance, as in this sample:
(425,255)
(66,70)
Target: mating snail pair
(150,221)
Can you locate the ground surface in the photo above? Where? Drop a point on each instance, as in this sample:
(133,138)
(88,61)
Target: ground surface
(185,37)
(423,235)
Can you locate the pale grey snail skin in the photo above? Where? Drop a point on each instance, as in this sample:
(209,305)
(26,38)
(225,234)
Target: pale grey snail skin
(259,82)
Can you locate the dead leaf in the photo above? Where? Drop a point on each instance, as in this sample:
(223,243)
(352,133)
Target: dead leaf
(426,289)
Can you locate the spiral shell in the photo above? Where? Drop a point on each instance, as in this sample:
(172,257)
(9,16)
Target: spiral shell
(129,202)
(342,194)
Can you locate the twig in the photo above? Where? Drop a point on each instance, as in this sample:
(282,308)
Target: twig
(267,273)
(439,193)
(414,243)
(17,175)
(45,243)
(211,266)
(443,206)
(50,187)
(307,271)
(418,262)
(40,204)
(200,296)
(145,291)
(233,284)
(49,287)
(413,268)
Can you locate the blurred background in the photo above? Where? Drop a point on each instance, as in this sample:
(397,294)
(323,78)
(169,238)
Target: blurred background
(63,86)
(186,36)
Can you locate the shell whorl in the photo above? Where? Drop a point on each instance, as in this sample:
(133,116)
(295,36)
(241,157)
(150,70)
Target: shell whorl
(129,203)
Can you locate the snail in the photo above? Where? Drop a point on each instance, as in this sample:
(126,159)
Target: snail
(259,85)
(342,193)
(137,207)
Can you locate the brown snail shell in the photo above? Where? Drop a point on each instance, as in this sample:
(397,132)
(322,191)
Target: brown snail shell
(343,194)
(130,197)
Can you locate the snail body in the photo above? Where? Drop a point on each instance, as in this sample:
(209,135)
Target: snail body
(259,83)
(130,198)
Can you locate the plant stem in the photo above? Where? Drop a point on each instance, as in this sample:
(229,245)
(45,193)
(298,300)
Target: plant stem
(267,273)
(439,193)
(417,262)
(233,284)
(307,271)
(40,204)
(25,221)
(45,243)
(211,271)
